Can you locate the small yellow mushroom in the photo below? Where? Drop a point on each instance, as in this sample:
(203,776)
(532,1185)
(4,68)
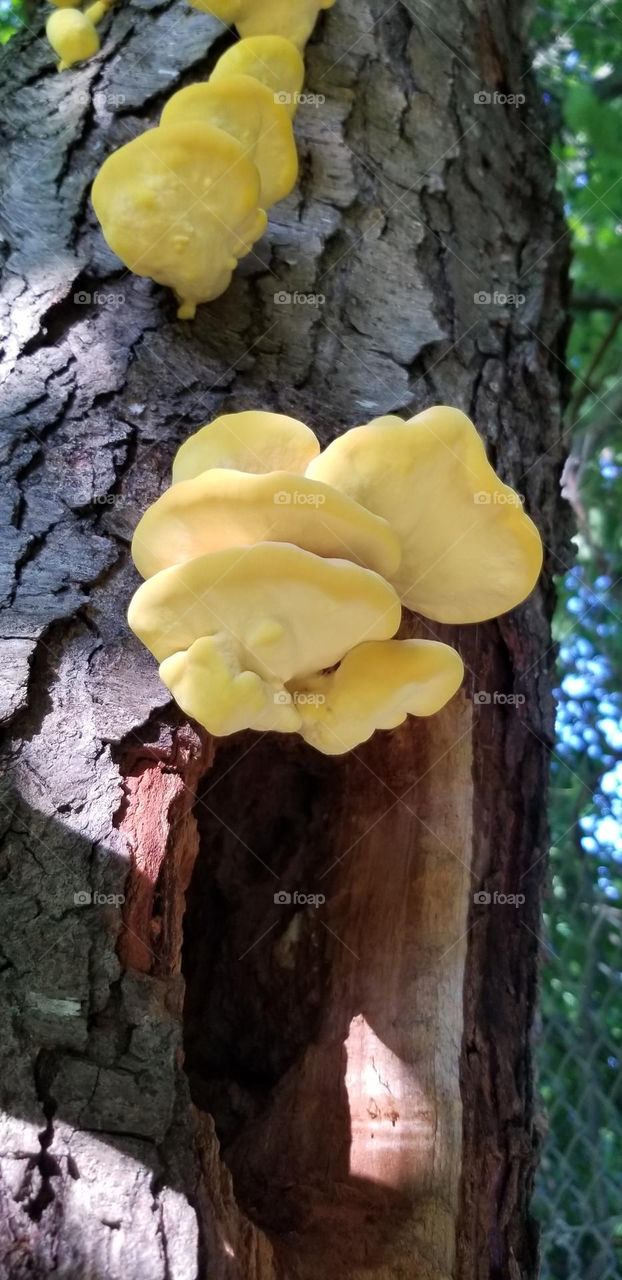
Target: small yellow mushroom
(469,551)
(376,686)
(220,509)
(272,60)
(180,204)
(246,109)
(97,11)
(247,441)
(294,19)
(292,613)
(72,36)
(65,4)
(209,683)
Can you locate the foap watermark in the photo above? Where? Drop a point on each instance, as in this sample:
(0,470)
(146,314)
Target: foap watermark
(97,299)
(107,499)
(495,699)
(283,699)
(298,499)
(284,299)
(100,100)
(484,98)
(497,299)
(483,899)
(84,898)
(284,899)
(498,499)
(284,99)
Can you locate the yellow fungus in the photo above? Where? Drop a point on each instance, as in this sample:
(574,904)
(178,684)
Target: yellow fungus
(247,110)
(272,60)
(72,36)
(219,509)
(469,551)
(248,441)
(294,19)
(97,11)
(271,599)
(376,686)
(209,683)
(325,607)
(155,213)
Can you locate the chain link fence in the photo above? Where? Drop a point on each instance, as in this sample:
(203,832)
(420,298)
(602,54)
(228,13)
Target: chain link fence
(578,1197)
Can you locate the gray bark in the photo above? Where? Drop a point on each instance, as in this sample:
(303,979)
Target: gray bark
(399,1013)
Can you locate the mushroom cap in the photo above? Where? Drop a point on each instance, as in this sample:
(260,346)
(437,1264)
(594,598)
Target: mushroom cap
(71,35)
(248,441)
(291,612)
(376,686)
(220,509)
(246,109)
(469,552)
(272,60)
(208,681)
(65,4)
(295,20)
(180,203)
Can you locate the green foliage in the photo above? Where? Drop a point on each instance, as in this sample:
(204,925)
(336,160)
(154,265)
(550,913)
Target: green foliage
(11,18)
(580,1046)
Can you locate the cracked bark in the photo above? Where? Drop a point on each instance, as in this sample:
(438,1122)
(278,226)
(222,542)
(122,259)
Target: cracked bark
(352,1093)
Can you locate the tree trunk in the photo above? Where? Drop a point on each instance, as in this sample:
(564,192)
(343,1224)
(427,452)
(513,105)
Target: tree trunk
(305,1091)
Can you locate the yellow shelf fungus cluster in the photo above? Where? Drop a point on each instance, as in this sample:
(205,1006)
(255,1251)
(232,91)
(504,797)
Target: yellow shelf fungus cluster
(72,31)
(294,19)
(276,574)
(185,201)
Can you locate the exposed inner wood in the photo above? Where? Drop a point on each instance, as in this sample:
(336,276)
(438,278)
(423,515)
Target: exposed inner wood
(324,1039)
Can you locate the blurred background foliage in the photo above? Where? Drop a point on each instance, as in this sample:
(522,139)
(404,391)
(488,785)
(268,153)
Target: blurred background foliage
(580,1038)
(11,16)
(578,1193)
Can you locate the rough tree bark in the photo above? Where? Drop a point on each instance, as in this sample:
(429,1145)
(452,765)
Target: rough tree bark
(342,1091)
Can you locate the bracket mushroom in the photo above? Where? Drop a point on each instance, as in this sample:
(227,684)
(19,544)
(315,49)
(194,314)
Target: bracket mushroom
(294,19)
(376,686)
(220,509)
(469,551)
(247,110)
(181,204)
(271,599)
(272,60)
(271,611)
(251,440)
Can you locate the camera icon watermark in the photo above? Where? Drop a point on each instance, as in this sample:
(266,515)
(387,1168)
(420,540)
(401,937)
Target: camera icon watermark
(298,499)
(284,899)
(482,298)
(284,699)
(85,299)
(484,498)
(483,98)
(483,899)
(84,898)
(284,299)
(284,99)
(485,699)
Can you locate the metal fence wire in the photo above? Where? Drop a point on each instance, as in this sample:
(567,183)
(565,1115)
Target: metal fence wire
(578,1197)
